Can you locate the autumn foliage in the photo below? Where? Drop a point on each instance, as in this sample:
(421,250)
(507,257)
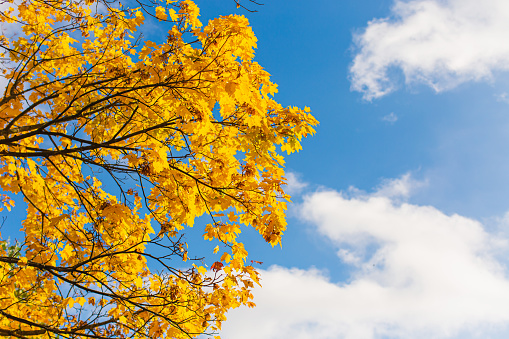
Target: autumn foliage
(118,139)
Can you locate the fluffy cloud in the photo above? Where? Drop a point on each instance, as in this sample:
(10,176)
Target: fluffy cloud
(417,273)
(441,43)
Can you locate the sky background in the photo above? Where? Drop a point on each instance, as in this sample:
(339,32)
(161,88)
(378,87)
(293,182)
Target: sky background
(398,227)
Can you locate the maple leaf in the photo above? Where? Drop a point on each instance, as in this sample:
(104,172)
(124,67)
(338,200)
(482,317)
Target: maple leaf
(217,266)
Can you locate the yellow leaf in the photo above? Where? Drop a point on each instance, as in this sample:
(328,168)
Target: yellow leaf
(232,217)
(173,15)
(80,300)
(70,302)
(160,13)
(56,220)
(230,87)
(226,257)
(67,252)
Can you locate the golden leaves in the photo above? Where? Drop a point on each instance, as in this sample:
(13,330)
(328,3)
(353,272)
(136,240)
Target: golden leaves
(103,147)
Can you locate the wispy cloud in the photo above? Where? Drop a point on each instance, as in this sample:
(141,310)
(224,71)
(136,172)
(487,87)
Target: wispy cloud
(402,187)
(441,43)
(294,185)
(390,118)
(417,273)
(502,97)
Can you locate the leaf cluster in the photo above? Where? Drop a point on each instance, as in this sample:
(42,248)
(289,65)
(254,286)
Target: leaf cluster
(118,144)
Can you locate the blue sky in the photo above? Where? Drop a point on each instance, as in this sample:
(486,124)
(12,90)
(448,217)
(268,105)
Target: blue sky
(398,227)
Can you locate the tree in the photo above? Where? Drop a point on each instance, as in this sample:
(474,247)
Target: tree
(117,144)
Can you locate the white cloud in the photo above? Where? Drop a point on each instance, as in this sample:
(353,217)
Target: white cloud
(441,43)
(502,97)
(390,118)
(293,184)
(349,257)
(430,275)
(401,187)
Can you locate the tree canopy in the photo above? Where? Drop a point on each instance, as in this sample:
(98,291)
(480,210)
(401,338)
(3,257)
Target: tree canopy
(117,144)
